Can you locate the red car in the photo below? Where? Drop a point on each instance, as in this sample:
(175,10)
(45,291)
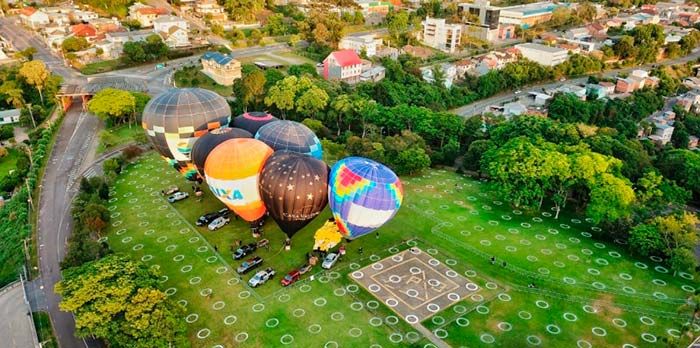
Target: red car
(290,278)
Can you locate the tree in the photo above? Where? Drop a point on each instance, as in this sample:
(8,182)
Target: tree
(312,101)
(118,300)
(255,36)
(625,47)
(397,24)
(74,44)
(113,105)
(12,94)
(275,25)
(680,136)
(297,93)
(476,150)
(6,132)
(301,69)
(36,74)
(253,88)
(611,198)
(134,51)
(412,161)
(683,166)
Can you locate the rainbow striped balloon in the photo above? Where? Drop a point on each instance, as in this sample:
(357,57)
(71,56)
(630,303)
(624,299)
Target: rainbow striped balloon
(363,195)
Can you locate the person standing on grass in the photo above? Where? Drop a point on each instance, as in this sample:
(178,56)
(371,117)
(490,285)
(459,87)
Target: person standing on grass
(360,251)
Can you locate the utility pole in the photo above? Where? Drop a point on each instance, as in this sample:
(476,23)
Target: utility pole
(31,114)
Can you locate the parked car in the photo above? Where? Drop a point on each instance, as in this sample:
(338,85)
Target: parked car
(244,250)
(261,277)
(218,223)
(330,260)
(290,278)
(170,190)
(207,218)
(249,264)
(178,196)
(305,268)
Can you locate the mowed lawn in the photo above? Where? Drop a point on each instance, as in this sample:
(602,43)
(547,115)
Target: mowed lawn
(9,162)
(585,291)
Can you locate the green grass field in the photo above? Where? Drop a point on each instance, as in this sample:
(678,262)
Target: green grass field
(122,135)
(586,293)
(9,162)
(194,77)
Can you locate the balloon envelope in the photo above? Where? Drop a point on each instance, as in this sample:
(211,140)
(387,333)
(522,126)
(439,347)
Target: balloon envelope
(290,136)
(363,195)
(252,121)
(294,188)
(176,118)
(205,144)
(232,171)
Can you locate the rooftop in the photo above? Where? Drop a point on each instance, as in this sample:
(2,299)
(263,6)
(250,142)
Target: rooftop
(346,57)
(219,58)
(534,46)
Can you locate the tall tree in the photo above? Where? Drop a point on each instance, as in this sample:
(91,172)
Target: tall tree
(36,74)
(113,105)
(118,300)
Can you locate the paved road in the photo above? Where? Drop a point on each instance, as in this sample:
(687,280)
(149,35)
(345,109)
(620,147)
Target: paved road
(478,107)
(16,327)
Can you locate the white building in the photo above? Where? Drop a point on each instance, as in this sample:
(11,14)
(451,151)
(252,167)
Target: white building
(9,116)
(448,70)
(83,16)
(662,133)
(438,34)
(367,43)
(33,18)
(541,54)
(174,30)
(113,44)
(164,23)
(373,74)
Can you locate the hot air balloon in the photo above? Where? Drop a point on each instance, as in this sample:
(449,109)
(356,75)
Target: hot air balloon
(363,195)
(252,121)
(291,136)
(232,170)
(174,119)
(294,188)
(203,146)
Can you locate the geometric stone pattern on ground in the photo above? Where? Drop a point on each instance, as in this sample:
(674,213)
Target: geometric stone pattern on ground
(414,284)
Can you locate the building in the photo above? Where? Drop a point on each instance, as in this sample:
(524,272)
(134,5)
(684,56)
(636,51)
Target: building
(87,31)
(541,54)
(146,15)
(33,18)
(527,15)
(449,71)
(175,37)
(596,90)
(374,6)
(438,34)
(373,74)
(480,20)
(692,142)
(626,85)
(343,65)
(365,43)
(386,51)
(211,7)
(174,30)
(9,116)
(221,68)
(514,109)
(578,34)
(662,133)
(113,45)
(79,16)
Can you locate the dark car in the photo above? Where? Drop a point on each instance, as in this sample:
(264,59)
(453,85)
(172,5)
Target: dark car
(251,263)
(244,250)
(290,278)
(206,219)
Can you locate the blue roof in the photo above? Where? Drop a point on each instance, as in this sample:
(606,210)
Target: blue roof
(217,57)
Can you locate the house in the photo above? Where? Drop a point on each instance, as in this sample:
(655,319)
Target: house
(113,44)
(386,51)
(175,37)
(481,21)
(221,68)
(86,31)
(662,133)
(417,51)
(440,35)
(596,90)
(9,116)
(449,72)
(514,109)
(527,15)
(364,43)
(33,18)
(626,85)
(608,86)
(343,65)
(541,54)
(581,34)
(59,18)
(597,31)
(54,36)
(373,6)
(578,91)
(174,30)
(373,74)
(146,15)
(212,8)
(79,16)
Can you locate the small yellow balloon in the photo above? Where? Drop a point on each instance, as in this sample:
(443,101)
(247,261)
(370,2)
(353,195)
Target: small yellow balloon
(327,236)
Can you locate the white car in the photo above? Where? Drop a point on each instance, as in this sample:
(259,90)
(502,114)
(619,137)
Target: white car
(330,260)
(178,196)
(218,223)
(261,277)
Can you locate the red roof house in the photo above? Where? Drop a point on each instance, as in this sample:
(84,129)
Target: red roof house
(84,30)
(344,65)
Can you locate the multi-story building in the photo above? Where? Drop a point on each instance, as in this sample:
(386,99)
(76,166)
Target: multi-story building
(441,35)
(221,68)
(541,54)
(174,30)
(343,65)
(146,15)
(365,43)
(481,19)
